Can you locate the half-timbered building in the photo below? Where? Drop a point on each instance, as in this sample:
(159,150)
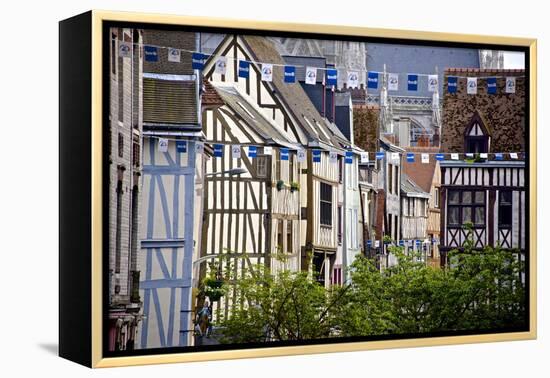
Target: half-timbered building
(173,168)
(414,216)
(288,108)
(486,192)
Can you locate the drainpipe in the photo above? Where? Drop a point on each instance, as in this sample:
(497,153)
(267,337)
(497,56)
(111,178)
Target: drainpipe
(344,224)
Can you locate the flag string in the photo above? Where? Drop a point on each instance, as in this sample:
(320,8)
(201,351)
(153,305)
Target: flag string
(235,59)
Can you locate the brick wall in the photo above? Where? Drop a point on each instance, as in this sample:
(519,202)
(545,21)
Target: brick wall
(504,113)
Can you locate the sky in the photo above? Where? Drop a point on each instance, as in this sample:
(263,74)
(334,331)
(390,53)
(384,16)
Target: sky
(514,59)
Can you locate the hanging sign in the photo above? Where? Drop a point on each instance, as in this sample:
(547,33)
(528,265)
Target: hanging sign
(349,157)
(244,69)
(393,82)
(174,55)
(163,145)
(199,147)
(124,49)
(221,65)
(316,156)
(301,155)
(410,157)
(412,82)
(372,80)
(284,154)
(353,79)
(425,158)
(252,151)
(181,146)
(311,75)
(364,157)
(433,82)
(218,150)
(332,77)
(290,74)
(236,151)
(197,61)
(492,85)
(151,53)
(452,84)
(268,150)
(510,85)
(267,72)
(472,85)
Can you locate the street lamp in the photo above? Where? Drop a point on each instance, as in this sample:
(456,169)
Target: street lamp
(230,172)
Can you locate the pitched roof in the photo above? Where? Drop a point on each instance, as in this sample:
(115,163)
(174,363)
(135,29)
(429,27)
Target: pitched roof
(421,173)
(411,188)
(210,96)
(294,97)
(250,113)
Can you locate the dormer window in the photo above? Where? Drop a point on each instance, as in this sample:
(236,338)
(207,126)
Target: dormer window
(476,137)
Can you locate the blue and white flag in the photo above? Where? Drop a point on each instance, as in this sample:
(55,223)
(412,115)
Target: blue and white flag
(484,155)
(267,72)
(514,155)
(369,243)
(393,82)
(181,146)
(174,55)
(492,85)
(469,155)
(244,69)
(124,49)
(290,74)
(380,155)
(499,156)
(439,157)
(410,157)
(433,82)
(452,84)
(151,53)
(268,150)
(349,157)
(236,151)
(364,157)
(332,77)
(372,80)
(252,151)
(284,154)
(316,156)
(412,82)
(218,150)
(311,75)
(471,86)
(401,243)
(425,158)
(197,61)
(454,156)
(511,85)
(199,147)
(163,145)
(353,79)
(221,65)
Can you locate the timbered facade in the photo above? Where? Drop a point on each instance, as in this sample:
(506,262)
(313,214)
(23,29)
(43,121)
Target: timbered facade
(486,190)
(172,192)
(291,114)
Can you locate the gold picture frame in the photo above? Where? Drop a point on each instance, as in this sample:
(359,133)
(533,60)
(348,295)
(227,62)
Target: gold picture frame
(93,22)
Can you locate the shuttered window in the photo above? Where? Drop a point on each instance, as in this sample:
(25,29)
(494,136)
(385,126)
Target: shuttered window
(169,102)
(326,204)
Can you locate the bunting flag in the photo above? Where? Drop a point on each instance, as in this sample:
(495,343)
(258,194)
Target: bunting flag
(418,242)
(353,79)
(412,82)
(377,244)
(316,156)
(454,156)
(244,69)
(401,243)
(364,157)
(197,61)
(290,74)
(218,150)
(284,154)
(380,155)
(332,77)
(369,243)
(395,155)
(181,146)
(452,84)
(301,155)
(221,65)
(124,49)
(151,53)
(311,75)
(472,85)
(484,155)
(499,156)
(469,155)
(267,72)
(372,80)
(433,82)
(491,85)
(236,151)
(425,158)
(268,150)
(393,82)
(252,151)
(349,157)
(174,55)
(199,147)
(439,157)
(514,155)
(510,85)
(163,145)
(333,157)
(410,157)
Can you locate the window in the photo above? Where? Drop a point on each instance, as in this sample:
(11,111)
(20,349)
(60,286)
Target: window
(390,178)
(466,207)
(114,53)
(261,166)
(340,170)
(135,153)
(326,204)
(475,139)
(436,198)
(505,209)
(340,225)
(396,181)
(289,243)
(120,145)
(422,207)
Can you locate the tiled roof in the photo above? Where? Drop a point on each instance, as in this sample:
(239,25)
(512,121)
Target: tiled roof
(421,173)
(209,95)
(411,188)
